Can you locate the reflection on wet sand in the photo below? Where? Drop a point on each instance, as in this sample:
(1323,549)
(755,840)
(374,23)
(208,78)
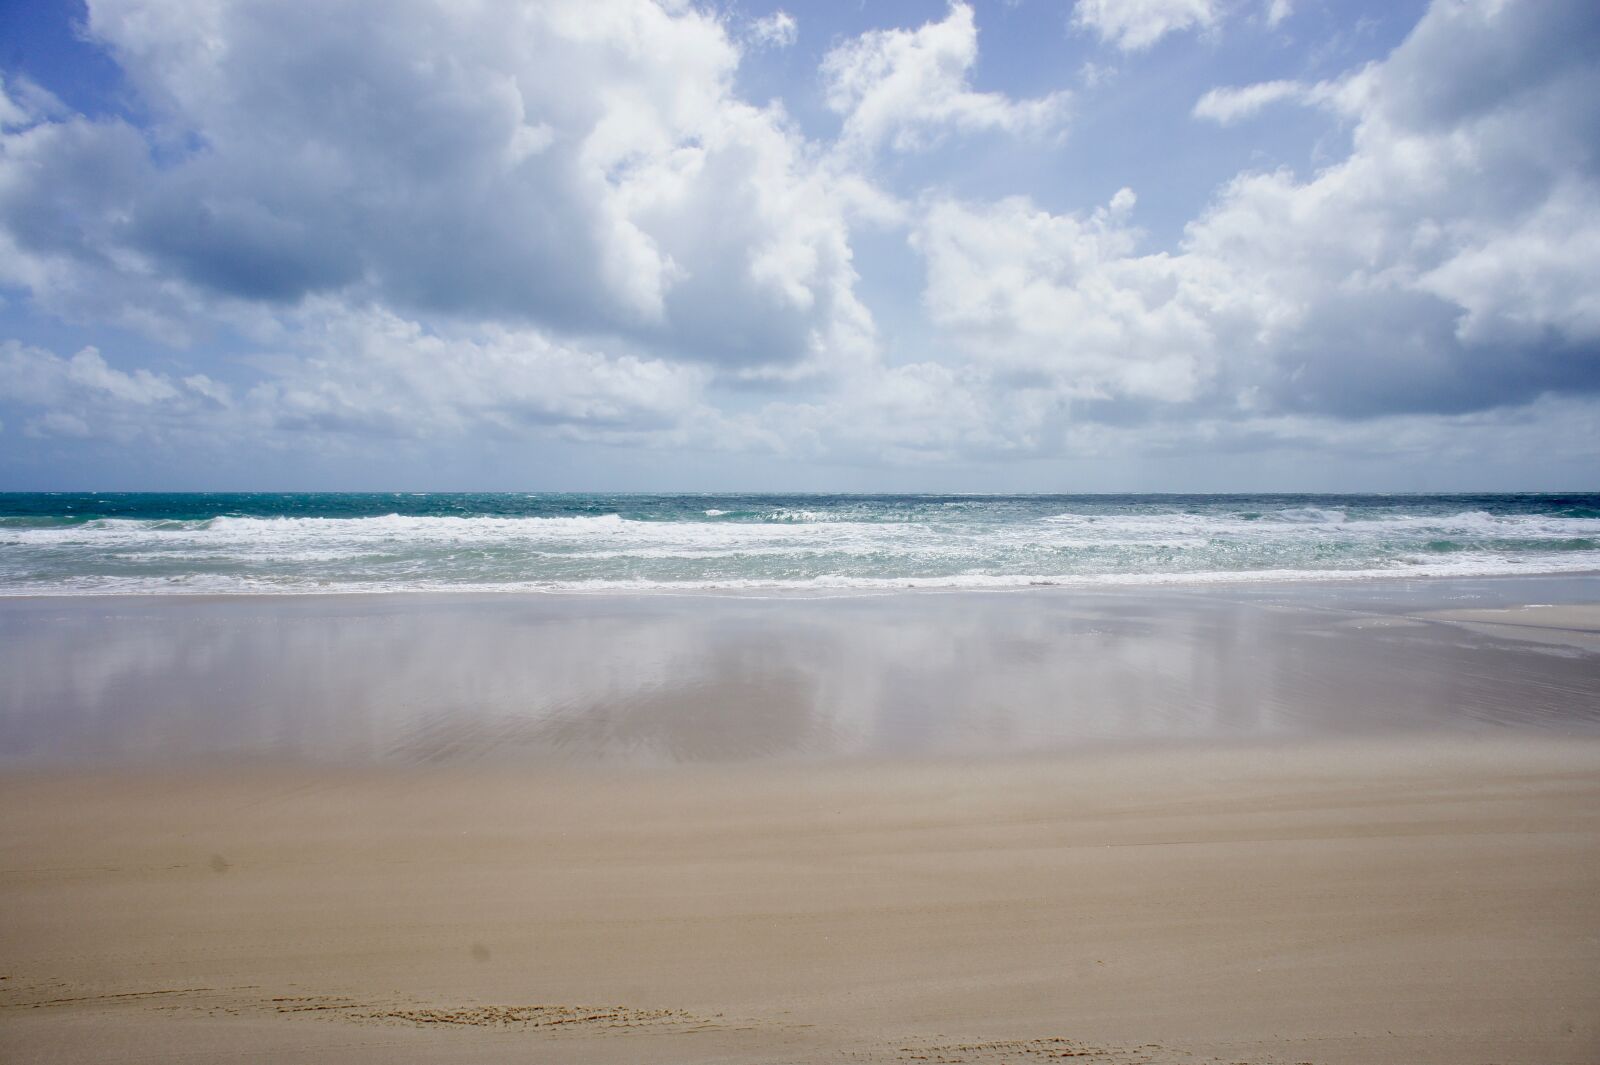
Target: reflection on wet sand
(736,716)
(694,679)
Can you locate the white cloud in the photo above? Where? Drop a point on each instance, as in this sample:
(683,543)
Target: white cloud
(908,88)
(585,167)
(777,30)
(88,370)
(918,413)
(1460,221)
(1063,300)
(1093,75)
(57,423)
(559,219)
(24,102)
(35,376)
(374,373)
(1347,97)
(1228,105)
(1445,265)
(371,373)
(1522,279)
(12,113)
(1133,25)
(83,396)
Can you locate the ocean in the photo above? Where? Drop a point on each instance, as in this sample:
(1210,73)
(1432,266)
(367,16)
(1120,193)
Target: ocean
(296,543)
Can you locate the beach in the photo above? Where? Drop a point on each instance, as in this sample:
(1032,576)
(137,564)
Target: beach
(1111,870)
(672,532)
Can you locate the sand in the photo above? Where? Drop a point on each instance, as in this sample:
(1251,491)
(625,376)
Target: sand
(657,680)
(1320,823)
(1413,899)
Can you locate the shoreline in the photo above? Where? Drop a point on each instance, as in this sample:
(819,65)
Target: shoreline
(1244,580)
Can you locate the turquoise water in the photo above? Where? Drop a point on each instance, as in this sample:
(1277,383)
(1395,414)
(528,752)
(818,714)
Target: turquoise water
(62,543)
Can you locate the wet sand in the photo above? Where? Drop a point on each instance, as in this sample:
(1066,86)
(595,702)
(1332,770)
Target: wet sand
(662,680)
(1115,880)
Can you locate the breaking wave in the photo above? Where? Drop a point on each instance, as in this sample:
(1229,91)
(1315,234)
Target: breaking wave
(299,544)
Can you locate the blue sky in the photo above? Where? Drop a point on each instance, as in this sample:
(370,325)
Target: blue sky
(1103,245)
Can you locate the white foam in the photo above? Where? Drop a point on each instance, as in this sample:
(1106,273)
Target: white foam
(221,584)
(1311,515)
(792,550)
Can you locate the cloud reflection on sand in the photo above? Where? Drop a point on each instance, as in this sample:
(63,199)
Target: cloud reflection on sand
(657,680)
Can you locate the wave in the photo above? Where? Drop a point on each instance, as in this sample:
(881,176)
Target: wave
(1316,515)
(215,584)
(684,545)
(1312,521)
(387,525)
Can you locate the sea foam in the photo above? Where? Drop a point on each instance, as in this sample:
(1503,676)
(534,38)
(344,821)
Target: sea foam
(300,544)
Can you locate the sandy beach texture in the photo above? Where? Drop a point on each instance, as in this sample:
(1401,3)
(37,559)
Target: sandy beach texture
(1410,900)
(1319,824)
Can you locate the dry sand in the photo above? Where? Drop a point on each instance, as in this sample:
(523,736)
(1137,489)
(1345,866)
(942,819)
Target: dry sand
(1404,900)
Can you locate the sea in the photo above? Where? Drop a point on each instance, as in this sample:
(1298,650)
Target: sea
(62,543)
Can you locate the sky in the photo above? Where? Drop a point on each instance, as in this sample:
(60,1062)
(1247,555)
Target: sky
(658,245)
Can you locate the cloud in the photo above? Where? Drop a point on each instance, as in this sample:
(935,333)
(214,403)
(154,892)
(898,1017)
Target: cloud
(1346,97)
(560,220)
(1134,25)
(12,113)
(1061,300)
(370,374)
(83,396)
(1444,266)
(1226,106)
(777,30)
(907,89)
(373,372)
(583,167)
(23,102)
(1440,265)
